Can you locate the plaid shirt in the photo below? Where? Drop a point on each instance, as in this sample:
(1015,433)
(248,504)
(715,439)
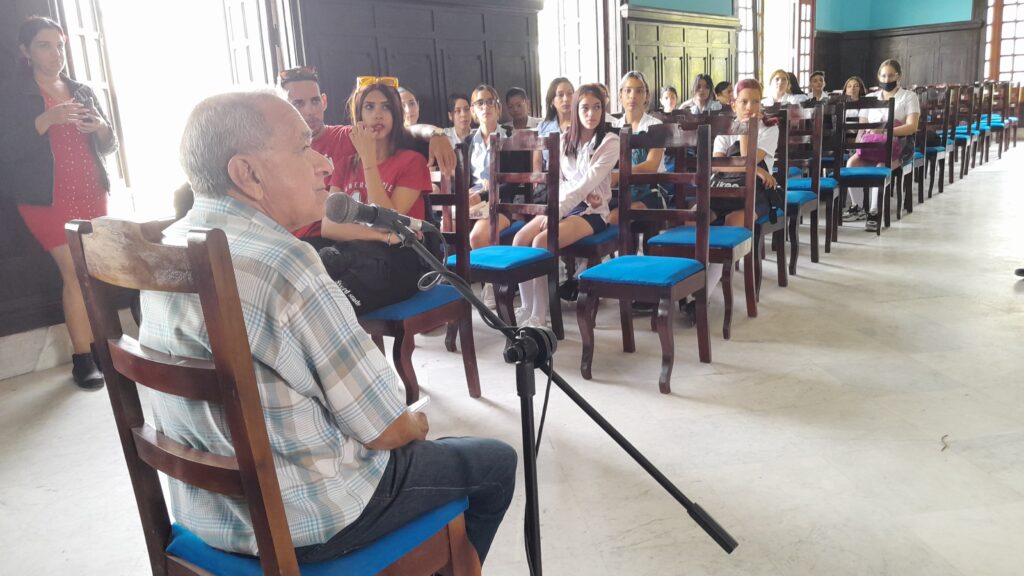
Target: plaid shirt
(326,389)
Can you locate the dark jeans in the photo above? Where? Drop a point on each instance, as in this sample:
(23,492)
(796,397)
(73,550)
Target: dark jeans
(423,476)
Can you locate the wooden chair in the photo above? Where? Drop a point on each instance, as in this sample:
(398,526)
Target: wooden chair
(999,111)
(112,254)
(1014,110)
(937,100)
(871,177)
(659,276)
(439,306)
(727,244)
(507,266)
(803,151)
(966,132)
(763,226)
(953,140)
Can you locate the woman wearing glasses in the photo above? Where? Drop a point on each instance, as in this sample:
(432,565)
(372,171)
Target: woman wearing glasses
(384,169)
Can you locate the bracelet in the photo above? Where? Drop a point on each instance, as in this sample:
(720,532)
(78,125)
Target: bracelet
(387,240)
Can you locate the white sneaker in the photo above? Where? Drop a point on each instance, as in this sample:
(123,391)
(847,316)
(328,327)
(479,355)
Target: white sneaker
(522,314)
(487,295)
(535,322)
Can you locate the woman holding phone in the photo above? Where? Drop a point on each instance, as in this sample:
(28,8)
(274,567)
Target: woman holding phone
(52,140)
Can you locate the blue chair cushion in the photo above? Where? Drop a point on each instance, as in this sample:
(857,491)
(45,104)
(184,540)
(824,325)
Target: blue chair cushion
(779,214)
(935,149)
(664,271)
(363,562)
(719,236)
(800,197)
(793,171)
(1013,119)
(962,138)
(918,155)
(514,227)
(422,302)
(503,257)
(865,172)
(805,184)
(998,125)
(609,233)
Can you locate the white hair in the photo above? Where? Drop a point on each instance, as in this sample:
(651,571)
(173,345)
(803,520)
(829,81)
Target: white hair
(219,128)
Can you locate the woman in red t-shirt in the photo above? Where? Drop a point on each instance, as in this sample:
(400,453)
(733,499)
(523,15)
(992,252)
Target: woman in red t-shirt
(384,170)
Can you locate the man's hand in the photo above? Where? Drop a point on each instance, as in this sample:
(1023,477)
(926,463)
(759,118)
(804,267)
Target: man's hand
(421,419)
(441,153)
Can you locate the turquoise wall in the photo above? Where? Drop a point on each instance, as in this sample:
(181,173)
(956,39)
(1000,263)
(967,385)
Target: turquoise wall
(717,7)
(846,16)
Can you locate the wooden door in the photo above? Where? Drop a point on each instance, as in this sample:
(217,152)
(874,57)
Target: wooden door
(673,72)
(696,61)
(414,62)
(463,65)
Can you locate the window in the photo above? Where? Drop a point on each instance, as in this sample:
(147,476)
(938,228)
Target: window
(747,41)
(803,40)
(1004,40)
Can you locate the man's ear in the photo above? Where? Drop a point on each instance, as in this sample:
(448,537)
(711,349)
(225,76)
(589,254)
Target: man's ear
(244,174)
(323,100)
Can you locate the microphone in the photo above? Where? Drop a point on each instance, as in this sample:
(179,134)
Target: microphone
(344,209)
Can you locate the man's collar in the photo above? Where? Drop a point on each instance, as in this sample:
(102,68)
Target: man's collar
(232,208)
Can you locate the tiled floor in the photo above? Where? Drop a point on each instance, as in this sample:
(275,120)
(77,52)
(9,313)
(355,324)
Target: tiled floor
(870,421)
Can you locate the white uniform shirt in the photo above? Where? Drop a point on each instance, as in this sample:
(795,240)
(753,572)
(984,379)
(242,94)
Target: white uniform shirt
(786,99)
(767,141)
(646,121)
(907,103)
(590,171)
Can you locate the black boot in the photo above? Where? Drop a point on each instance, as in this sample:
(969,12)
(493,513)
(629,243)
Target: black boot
(87,376)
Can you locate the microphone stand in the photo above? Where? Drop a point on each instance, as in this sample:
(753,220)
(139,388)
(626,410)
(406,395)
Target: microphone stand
(533,348)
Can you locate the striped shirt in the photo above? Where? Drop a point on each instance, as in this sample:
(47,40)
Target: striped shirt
(325,388)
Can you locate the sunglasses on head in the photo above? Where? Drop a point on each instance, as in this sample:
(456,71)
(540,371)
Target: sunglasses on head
(299,74)
(364,81)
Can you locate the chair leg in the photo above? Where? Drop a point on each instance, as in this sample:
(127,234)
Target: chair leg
(586,309)
(779,244)
(555,306)
(703,330)
(942,173)
(794,242)
(748,285)
(727,296)
(449,337)
(885,202)
(402,355)
(626,321)
(931,175)
(829,206)
(814,237)
(504,298)
(919,176)
(758,272)
(666,311)
(465,330)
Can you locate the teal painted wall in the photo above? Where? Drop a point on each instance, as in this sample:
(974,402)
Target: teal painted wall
(846,16)
(717,7)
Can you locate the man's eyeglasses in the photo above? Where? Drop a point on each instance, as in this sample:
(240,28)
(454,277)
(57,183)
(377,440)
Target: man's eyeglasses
(488,103)
(364,81)
(299,74)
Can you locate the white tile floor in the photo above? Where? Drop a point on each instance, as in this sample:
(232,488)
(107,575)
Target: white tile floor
(815,437)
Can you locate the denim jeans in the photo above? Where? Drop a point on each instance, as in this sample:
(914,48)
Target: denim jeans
(423,476)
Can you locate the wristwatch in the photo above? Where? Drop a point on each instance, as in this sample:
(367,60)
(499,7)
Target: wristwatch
(437,133)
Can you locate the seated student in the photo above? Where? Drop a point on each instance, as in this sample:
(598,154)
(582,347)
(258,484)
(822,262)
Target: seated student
(557,116)
(634,96)
(383,170)
(729,211)
(779,90)
(588,155)
(906,113)
(854,89)
(352,461)
(410,106)
(669,99)
(303,87)
(517,102)
(817,87)
(723,93)
(700,96)
(461,118)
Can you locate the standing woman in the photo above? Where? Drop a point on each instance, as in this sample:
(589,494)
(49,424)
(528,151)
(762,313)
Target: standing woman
(52,138)
(906,113)
(634,96)
(700,96)
(588,155)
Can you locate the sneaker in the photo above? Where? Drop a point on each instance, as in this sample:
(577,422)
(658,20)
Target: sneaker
(85,373)
(522,314)
(853,214)
(1019,272)
(871,225)
(644,307)
(535,322)
(487,295)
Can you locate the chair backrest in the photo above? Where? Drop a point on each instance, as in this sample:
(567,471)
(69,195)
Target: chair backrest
(935,109)
(1001,100)
(110,254)
(953,106)
(803,141)
(693,135)
(987,96)
(781,114)
(970,102)
(850,126)
(454,197)
(525,141)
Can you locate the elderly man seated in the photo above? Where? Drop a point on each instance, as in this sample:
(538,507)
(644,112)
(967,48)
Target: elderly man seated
(352,461)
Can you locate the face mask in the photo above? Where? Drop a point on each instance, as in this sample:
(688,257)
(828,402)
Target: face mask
(889,86)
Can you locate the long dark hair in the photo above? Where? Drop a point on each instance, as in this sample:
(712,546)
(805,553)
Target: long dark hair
(571,143)
(863,89)
(707,80)
(794,85)
(399,139)
(27,33)
(549,110)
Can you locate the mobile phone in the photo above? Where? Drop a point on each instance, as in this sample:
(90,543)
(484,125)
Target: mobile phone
(419,404)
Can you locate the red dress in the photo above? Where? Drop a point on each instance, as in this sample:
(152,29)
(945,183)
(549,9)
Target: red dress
(77,186)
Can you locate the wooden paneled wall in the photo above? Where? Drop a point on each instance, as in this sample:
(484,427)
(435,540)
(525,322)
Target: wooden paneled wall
(434,48)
